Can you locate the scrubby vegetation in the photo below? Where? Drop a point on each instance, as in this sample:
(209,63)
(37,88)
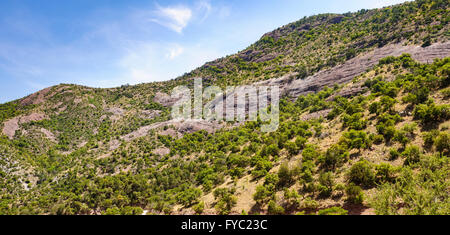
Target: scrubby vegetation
(326,40)
(385,150)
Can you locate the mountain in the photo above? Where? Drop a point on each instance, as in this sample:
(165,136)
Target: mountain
(364,129)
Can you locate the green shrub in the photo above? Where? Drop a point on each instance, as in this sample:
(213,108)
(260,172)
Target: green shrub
(429,137)
(411,154)
(292,148)
(326,183)
(393,154)
(262,195)
(292,198)
(309,203)
(377,139)
(199,207)
(285,175)
(442,143)
(334,157)
(431,113)
(361,173)
(333,211)
(384,172)
(225,200)
(275,209)
(189,196)
(375,108)
(388,132)
(354,194)
(356,140)
(355,121)
(300,142)
(401,137)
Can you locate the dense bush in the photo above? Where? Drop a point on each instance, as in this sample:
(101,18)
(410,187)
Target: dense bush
(225,200)
(326,183)
(411,154)
(286,175)
(362,173)
(189,196)
(356,140)
(354,194)
(334,157)
(431,113)
(442,143)
(275,209)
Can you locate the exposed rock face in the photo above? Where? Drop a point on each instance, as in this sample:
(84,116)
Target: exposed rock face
(164,99)
(187,126)
(32,118)
(346,72)
(11,126)
(318,114)
(337,19)
(114,144)
(149,114)
(48,134)
(347,92)
(338,75)
(36,98)
(117,113)
(356,66)
(163,151)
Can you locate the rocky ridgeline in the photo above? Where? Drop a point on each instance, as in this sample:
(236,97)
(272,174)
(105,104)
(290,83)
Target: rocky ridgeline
(344,73)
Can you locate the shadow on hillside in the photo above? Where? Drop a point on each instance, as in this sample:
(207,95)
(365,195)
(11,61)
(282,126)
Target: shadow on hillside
(256,209)
(354,209)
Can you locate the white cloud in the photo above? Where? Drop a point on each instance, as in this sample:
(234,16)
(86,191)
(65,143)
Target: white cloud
(175,51)
(204,6)
(152,61)
(175,18)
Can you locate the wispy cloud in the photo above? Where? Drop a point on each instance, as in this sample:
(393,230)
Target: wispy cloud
(205,7)
(224,12)
(174,51)
(153,61)
(175,18)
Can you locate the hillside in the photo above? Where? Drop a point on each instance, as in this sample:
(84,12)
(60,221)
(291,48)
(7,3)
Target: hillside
(364,129)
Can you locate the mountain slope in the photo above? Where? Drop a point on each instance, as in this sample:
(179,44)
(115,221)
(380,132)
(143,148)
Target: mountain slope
(379,132)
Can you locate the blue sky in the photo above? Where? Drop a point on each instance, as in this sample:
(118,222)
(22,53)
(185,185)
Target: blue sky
(107,43)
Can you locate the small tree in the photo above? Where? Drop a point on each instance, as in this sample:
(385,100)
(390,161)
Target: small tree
(291,147)
(411,154)
(361,173)
(354,194)
(199,207)
(400,136)
(225,200)
(285,175)
(275,209)
(262,195)
(189,196)
(334,157)
(442,143)
(300,142)
(326,181)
